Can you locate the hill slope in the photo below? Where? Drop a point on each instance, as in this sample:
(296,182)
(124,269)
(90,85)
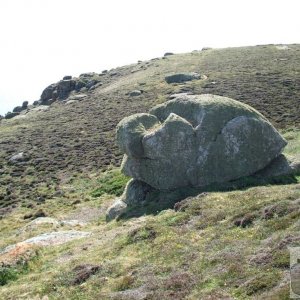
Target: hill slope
(69,139)
(229,244)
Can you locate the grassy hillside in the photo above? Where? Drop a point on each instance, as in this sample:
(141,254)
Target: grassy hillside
(229,244)
(70,139)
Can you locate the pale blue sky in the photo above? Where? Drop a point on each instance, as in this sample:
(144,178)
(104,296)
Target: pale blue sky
(43,40)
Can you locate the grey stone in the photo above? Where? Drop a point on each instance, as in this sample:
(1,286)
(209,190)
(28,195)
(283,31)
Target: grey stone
(78,97)
(91,83)
(136,192)
(278,167)
(25,104)
(48,91)
(182,77)
(67,77)
(195,141)
(79,85)
(17,158)
(36,102)
(130,132)
(87,75)
(64,87)
(135,93)
(113,73)
(71,101)
(10,115)
(168,54)
(118,208)
(18,109)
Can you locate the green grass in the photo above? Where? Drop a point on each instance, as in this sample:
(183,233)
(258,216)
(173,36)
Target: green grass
(7,274)
(112,183)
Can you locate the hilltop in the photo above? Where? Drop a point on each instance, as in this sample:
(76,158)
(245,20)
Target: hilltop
(229,242)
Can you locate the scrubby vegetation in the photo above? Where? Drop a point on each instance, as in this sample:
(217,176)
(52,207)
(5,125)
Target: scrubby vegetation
(225,242)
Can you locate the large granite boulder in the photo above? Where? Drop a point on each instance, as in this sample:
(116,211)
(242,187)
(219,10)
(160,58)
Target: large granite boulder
(193,141)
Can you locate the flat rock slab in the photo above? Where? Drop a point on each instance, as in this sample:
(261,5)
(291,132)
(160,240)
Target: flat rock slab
(51,221)
(49,239)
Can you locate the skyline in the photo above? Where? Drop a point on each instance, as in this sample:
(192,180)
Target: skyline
(43,41)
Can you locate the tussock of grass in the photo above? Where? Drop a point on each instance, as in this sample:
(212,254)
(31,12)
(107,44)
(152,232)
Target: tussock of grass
(112,183)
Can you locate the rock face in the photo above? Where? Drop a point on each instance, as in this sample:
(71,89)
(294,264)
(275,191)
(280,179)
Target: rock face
(195,141)
(190,142)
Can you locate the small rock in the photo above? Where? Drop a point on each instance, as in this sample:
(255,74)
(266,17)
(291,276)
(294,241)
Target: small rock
(17,158)
(113,73)
(135,93)
(25,104)
(11,115)
(90,74)
(168,54)
(206,48)
(18,109)
(71,101)
(37,102)
(118,208)
(182,77)
(43,220)
(40,199)
(72,223)
(91,83)
(67,77)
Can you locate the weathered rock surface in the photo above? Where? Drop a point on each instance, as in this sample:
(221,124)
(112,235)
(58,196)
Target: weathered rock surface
(17,158)
(116,210)
(51,238)
(11,115)
(182,77)
(135,93)
(195,141)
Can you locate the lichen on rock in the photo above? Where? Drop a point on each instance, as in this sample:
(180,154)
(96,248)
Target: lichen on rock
(194,141)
